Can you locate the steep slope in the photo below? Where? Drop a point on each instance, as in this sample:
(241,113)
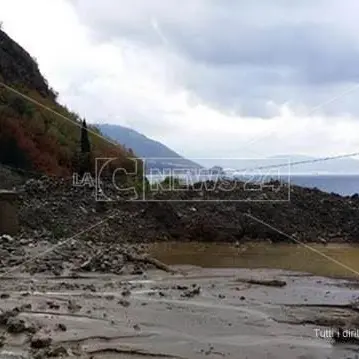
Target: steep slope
(31,137)
(144,147)
(18,68)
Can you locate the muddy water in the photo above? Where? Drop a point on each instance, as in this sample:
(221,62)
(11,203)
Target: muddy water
(208,312)
(282,256)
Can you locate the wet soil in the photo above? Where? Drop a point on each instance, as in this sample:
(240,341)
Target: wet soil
(206,313)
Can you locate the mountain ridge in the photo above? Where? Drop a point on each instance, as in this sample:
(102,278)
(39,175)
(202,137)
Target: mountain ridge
(160,155)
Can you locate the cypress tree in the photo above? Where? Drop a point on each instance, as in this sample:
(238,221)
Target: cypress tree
(85,142)
(85,156)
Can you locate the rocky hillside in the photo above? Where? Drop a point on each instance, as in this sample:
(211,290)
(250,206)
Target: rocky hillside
(19,69)
(31,137)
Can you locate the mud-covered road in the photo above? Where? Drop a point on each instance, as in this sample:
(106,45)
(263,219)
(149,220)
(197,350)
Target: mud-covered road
(207,313)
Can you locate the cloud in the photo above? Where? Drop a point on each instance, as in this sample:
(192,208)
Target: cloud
(204,77)
(240,55)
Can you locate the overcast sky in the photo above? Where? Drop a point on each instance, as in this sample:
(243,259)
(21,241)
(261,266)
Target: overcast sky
(209,78)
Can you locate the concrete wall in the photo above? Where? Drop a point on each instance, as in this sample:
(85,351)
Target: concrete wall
(9,221)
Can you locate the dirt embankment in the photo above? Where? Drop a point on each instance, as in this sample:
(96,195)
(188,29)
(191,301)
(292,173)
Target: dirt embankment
(57,208)
(97,236)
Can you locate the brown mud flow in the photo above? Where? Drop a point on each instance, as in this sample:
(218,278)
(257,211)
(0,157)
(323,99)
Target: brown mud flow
(207,313)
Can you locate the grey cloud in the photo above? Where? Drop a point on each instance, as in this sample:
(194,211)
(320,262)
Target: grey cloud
(241,55)
(316,52)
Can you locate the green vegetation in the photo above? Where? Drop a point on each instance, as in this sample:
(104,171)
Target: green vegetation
(171,182)
(39,134)
(85,142)
(85,155)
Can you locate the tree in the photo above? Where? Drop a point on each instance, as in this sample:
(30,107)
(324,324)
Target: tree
(85,142)
(85,155)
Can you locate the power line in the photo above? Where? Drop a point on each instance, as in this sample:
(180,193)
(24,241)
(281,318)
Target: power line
(11,89)
(288,164)
(348,155)
(54,112)
(329,101)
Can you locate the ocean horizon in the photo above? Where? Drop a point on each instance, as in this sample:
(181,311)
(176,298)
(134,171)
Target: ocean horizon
(342,184)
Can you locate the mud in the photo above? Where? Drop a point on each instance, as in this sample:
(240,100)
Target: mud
(207,313)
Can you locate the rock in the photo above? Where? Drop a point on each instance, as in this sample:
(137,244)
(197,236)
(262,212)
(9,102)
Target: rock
(191,293)
(16,325)
(6,238)
(86,266)
(40,341)
(322,240)
(52,305)
(5,316)
(84,210)
(91,288)
(58,351)
(124,303)
(72,306)
(61,327)
(180,287)
(4,296)
(265,282)
(137,271)
(25,307)
(126,293)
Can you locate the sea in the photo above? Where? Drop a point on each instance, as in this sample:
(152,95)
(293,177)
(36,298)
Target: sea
(344,185)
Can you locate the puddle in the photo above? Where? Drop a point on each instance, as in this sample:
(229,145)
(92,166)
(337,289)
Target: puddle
(276,256)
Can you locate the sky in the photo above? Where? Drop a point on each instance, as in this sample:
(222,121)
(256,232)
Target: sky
(208,78)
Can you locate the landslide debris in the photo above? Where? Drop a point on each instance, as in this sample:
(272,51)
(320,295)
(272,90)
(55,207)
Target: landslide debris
(74,232)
